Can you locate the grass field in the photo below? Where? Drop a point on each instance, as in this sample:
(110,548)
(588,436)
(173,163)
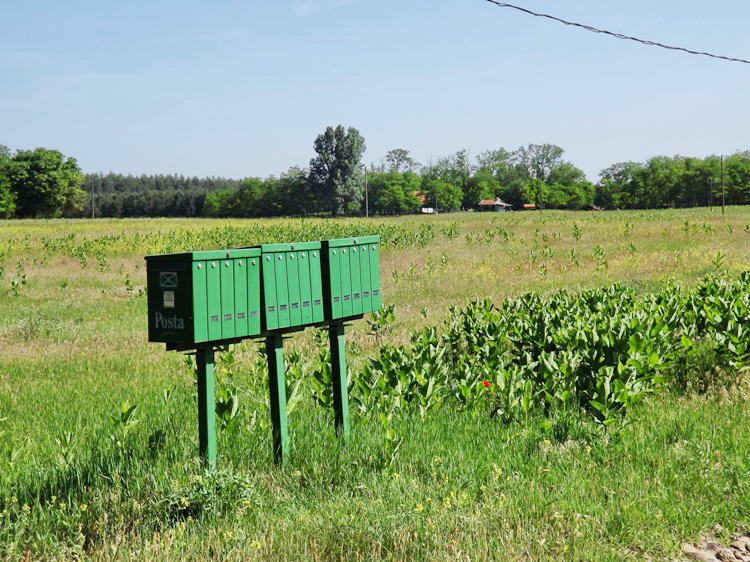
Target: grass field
(80,479)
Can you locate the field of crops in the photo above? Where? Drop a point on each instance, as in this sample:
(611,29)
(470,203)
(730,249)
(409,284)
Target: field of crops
(553,385)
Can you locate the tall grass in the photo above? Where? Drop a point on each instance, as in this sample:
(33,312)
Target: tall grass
(82,474)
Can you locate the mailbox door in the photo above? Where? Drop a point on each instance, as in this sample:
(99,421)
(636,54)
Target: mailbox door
(346,282)
(200,303)
(375,276)
(334,270)
(316,285)
(356,280)
(282,289)
(270,312)
(253,296)
(305,288)
(240,298)
(227,299)
(365,280)
(170,308)
(292,275)
(213,298)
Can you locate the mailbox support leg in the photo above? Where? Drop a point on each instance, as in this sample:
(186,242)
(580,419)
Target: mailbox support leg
(204,359)
(338,372)
(277,388)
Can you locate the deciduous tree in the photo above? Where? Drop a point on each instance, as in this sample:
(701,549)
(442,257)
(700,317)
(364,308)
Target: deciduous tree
(539,160)
(7,197)
(399,160)
(45,183)
(335,171)
(441,194)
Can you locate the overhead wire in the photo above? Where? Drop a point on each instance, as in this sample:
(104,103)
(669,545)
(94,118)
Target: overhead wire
(616,35)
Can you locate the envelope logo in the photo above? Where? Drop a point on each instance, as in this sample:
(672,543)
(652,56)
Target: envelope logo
(168,280)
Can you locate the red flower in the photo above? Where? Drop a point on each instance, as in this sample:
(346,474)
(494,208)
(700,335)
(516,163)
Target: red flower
(487,384)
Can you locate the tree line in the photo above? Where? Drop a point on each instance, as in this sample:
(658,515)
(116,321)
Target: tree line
(45,183)
(676,181)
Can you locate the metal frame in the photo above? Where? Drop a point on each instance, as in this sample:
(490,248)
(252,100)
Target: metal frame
(205,359)
(205,362)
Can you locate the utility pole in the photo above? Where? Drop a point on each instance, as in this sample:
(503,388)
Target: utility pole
(539,195)
(723,211)
(92,199)
(539,198)
(367,202)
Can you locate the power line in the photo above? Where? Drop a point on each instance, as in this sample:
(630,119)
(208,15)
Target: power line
(617,35)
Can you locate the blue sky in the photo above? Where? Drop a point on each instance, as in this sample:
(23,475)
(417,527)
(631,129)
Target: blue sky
(235,88)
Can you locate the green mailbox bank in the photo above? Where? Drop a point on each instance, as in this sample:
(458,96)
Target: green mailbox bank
(351,276)
(200,297)
(205,300)
(292,292)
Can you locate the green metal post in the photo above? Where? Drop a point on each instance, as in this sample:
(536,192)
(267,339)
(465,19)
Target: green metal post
(277,388)
(338,371)
(204,359)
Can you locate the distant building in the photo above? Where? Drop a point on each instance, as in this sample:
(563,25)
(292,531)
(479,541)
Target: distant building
(496,205)
(422,202)
(528,207)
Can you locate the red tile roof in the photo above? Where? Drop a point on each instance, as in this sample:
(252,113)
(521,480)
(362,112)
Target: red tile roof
(493,202)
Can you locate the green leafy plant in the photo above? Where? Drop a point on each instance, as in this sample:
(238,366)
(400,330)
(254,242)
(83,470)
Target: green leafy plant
(718,261)
(602,350)
(381,322)
(123,421)
(577,231)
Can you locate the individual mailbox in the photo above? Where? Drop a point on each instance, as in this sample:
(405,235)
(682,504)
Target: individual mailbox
(207,296)
(351,276)
(291,285)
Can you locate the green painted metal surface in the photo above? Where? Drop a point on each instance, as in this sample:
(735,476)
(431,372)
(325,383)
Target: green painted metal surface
(227,299)
(240,298)
(365,278)
(204,359)
(296,282)
(194,300)
(346,282)
(292,274)
(282,289)
(253,295)
(356,281)
(200,302)
(204,300)
(270,312)
(351,276)
(204,255)
(344,242)
(338,370)
(213,296)
(334,304)
(316,285)
(305,288)
(277,390)
(377,303)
